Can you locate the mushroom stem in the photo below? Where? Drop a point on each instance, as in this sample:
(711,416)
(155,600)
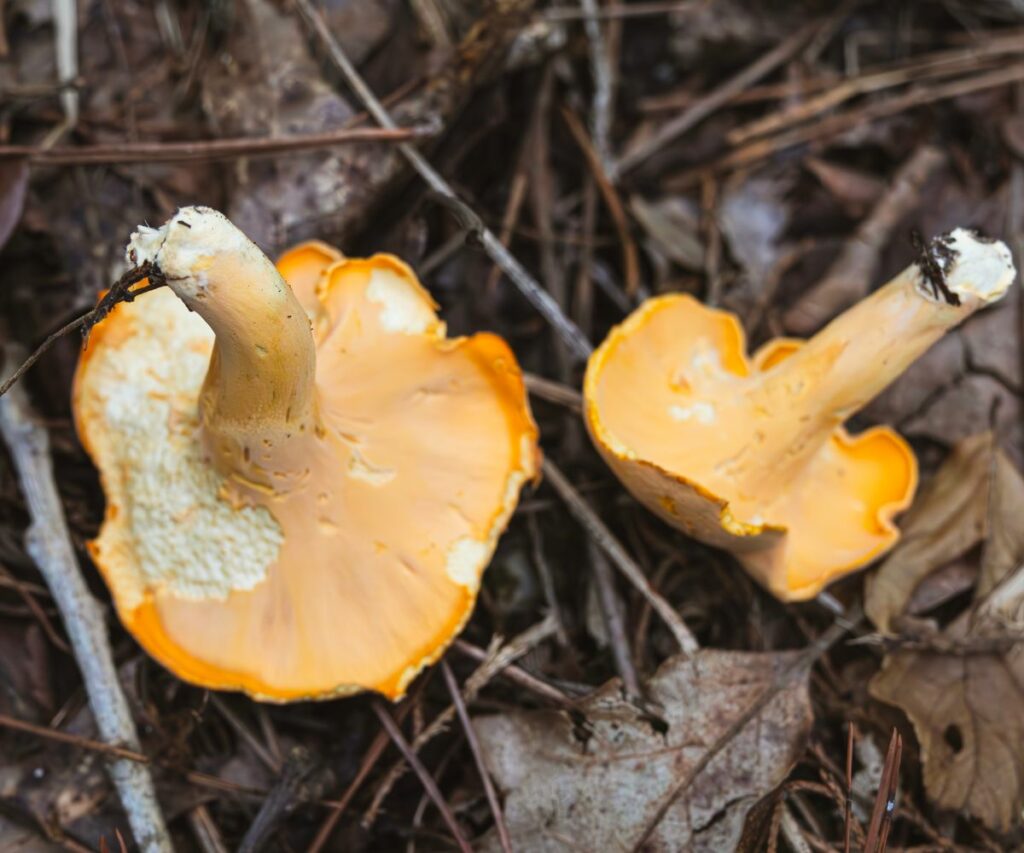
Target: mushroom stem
(260,386)
(854,358)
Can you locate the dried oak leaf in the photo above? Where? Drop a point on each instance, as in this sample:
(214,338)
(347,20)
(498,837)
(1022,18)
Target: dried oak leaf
(965,694)
(595,780)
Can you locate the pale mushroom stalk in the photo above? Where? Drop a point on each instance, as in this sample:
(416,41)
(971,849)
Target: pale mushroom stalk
(259,391)
(840,370)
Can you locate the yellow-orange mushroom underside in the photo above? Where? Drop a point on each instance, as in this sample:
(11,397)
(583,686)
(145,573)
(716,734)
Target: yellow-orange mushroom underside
(339,552)
(751,454)
(669,407)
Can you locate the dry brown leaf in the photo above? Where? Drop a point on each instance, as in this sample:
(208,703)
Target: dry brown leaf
(594,781)
(966,701)
(854,190)
(967,713)
(968,406)
(673,230)
(946,521)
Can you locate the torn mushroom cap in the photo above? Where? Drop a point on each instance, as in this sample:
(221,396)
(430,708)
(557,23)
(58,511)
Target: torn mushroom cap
(295,513)
(751,455)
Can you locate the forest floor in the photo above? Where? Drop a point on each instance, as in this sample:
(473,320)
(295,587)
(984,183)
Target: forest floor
(773,159)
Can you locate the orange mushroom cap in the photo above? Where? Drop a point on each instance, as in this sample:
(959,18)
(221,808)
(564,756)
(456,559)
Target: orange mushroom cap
(306,480)
(750,454)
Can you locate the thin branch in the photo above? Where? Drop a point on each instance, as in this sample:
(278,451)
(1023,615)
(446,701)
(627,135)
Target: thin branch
(615,623)
(121,153)
(37,610)
(195,777)
(850,275)
(792,833)
(517,674)
(112,750)
(848,793)
(553,392)
(205,830)
(298,765)
(65,16)
(630,260)
(547,580)
(632,10)
(606,540)
(499,656)
(243,731)
(369,761)
(48,542)
(425,779)
(604,83)
(575,340)
(885,801)
(474,746)
(761,148)
(716,98)
(120,291)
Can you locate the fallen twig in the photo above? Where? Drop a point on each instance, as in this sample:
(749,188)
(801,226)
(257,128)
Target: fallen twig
(205,830)
(604,83)
(850,276)
(931,66)
(615,623)
(369,761)
(65,31)
(57,735)
(885,801)
(792,833)
(425,778)
(716,98)
(242,730)
(547,581)
(294,770)
(759,149)
(36,608)
(498,658)
(575,340)
(518,185)
(122,153)
(48,542)
(848,792)
(553,392)
(996,643)
(606,540)
(630,260)
(195,777)
(474,746)
(120,291)
(632,10)
(517,674)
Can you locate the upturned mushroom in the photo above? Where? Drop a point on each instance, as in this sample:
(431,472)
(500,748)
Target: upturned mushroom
(305,479)
(750,454)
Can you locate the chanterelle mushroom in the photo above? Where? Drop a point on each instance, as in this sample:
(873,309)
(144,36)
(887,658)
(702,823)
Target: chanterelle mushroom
(304,483)
(751,455)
